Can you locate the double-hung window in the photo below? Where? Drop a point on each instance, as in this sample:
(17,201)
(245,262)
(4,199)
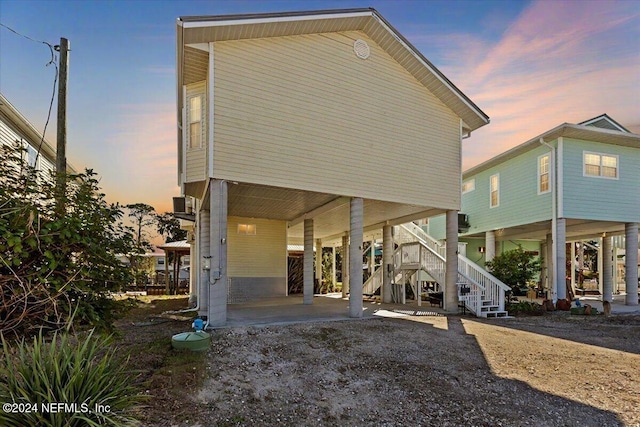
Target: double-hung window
(494,190)
(195,121)
(601,165)
(543,174)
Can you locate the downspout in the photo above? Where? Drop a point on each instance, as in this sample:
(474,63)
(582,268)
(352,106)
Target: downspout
(554,218)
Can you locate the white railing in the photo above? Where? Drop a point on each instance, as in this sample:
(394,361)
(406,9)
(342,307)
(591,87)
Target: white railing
(373,283)
(470,293)
(419,251)
(418,256)
(417,232)
(493,289)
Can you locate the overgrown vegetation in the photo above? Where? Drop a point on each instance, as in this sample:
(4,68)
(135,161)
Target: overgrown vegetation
(525,307)
(86,375)
(515,268)
(53,264)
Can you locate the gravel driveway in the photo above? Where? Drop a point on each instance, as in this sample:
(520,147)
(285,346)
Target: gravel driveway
(554,370)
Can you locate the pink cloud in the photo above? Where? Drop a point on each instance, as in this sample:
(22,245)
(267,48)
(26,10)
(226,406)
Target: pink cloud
(558,62)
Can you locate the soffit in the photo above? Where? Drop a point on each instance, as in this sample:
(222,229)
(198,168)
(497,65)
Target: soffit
(261,201)
(576,229)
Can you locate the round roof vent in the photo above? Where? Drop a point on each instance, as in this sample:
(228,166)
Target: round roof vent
(361,48)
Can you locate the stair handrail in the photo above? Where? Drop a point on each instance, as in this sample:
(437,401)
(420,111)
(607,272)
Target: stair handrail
(494,289)
(432,243)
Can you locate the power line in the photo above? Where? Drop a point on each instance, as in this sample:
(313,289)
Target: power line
(55,81)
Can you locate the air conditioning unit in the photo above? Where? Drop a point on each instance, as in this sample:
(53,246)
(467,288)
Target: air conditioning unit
(463,223)
(183,208)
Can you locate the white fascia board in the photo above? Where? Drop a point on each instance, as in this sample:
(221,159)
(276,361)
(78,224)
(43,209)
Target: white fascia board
(246,21)
(428,67)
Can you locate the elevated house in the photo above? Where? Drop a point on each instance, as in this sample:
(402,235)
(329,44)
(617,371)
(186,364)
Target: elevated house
(573,183)
(316,128)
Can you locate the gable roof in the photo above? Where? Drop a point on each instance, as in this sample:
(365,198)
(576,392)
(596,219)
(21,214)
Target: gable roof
(605,122)
(196,30)
(582,131)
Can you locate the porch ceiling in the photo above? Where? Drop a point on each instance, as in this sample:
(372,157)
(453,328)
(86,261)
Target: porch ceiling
(576,229)
(330,212)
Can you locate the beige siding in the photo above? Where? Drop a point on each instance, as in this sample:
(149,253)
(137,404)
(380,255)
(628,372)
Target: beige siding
(261,255)
(304,112)
(197,157)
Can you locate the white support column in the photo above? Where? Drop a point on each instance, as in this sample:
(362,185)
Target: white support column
(490,245)
(387,263)
(600,264)
(345,266)
(319,262)
(355,257)
(607,269)
(631,263)
(372,257)
(218,278)
(451,272)
(307,275)
(549,265)
(204,254)
(333,265)
(573,266)
(561,259)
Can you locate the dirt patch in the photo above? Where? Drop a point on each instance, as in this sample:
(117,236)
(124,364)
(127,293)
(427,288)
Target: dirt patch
(553,370)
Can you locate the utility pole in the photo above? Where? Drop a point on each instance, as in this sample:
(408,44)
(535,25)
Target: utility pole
(61,144)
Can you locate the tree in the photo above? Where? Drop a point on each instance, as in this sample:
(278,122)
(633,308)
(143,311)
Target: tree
(168,227)
(54,265)
(143,216)
(515,267)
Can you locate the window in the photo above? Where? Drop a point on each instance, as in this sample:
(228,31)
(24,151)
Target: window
(195,121)
(543,174)
(248,229)
(494,190)
(32,155)
(468,186)
(601,165)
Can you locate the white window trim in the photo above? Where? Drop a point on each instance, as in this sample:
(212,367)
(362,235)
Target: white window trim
(584,165)
(497,191)
(548,173)
(202,115)
(472,183)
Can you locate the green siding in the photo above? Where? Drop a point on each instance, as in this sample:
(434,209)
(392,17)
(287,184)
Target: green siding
(594,198)
(437,227)
(519,200)
(474,254)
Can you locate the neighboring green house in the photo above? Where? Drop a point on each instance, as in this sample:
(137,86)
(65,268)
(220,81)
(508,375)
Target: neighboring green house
(572,183)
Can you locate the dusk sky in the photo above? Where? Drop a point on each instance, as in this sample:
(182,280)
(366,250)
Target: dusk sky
(529,65)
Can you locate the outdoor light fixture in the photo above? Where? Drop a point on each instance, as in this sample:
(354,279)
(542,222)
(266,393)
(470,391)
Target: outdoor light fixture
(206,263)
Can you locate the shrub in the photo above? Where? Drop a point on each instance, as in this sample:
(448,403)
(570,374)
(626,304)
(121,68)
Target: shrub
(515,268)
(84,373)
(53,264)
(525,307)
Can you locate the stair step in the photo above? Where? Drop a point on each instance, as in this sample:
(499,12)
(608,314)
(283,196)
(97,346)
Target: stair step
(501,314)
(489,308)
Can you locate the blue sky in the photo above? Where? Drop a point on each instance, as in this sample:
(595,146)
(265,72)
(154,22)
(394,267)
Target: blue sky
(530,65)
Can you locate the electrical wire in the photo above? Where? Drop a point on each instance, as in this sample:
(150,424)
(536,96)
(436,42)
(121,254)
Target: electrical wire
(55,82)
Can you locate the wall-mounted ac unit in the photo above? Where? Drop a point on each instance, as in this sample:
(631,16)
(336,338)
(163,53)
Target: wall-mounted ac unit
(183,208)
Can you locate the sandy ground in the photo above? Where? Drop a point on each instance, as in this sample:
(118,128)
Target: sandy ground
(554,370)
